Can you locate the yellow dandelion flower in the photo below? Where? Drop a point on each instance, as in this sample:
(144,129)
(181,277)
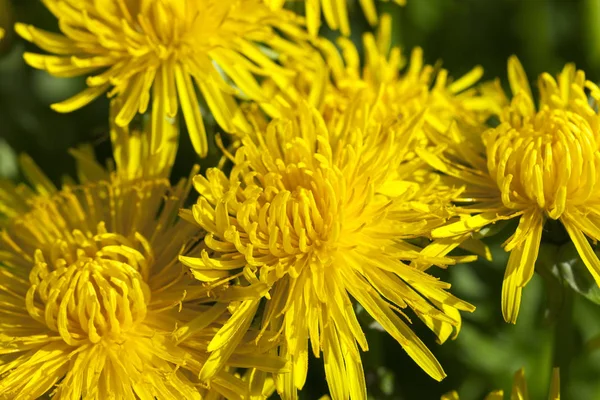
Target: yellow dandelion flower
(91,289)
(398,88)
(313,217)
(519,389)
(334,12)
(536,165)
(404,88)
(161,51)
(1,33)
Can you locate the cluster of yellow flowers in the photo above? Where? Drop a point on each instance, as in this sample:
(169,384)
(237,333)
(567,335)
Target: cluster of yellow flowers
(346,183)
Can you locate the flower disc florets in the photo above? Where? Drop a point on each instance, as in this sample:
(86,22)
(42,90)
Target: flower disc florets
(548,161)
(92,288)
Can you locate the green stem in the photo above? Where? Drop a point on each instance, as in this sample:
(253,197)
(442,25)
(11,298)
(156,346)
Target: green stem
(592,13)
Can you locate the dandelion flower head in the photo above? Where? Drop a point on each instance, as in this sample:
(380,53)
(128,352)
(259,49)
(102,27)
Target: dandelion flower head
(159,51)
(91,288)
(538,164)
(313,217)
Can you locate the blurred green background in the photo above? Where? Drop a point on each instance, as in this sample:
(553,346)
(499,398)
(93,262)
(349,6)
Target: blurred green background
(543,33)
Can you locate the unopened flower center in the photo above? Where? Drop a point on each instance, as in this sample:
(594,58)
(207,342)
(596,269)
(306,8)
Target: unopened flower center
(550,160)
(90,287)
(293,218)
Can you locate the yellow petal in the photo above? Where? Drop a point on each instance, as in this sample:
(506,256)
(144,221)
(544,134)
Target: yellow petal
(224,343)
(200,322)
(191,111)
(519,389)
(453,395)
(495,395)
(467,80)
(517,78)
(131,100)
(471,224)
(81,99)
(584,249)
(381,312)
(335,371)
(313,16)
(520,268)
(370,11)
(51,42)
(42,184)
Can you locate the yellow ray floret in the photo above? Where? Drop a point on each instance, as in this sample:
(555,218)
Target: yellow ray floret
(91,290)
(335,13)
(536,165)
(311,220)
(519,389)
(158,53)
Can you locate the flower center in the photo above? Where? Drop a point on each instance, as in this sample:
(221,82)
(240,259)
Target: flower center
(90,287)
(549,160)
(291,220)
